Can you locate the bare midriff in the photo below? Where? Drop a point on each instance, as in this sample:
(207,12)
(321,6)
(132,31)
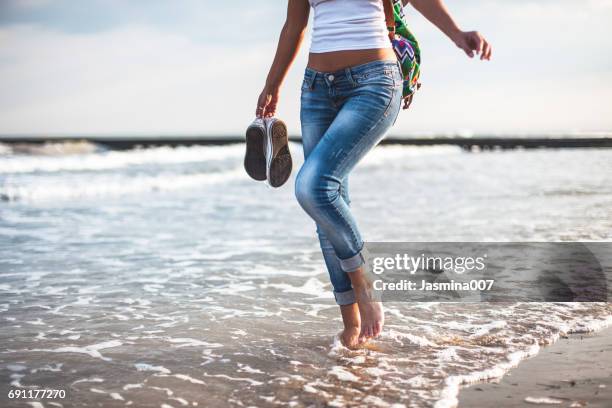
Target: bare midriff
(337,60)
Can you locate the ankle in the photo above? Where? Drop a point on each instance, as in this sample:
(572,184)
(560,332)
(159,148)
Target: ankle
(350,316)
(360,283)
(352,329)
(359,279)
(352,326)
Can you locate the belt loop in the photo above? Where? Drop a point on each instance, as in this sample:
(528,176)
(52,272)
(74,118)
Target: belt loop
(312,80)
(349,76)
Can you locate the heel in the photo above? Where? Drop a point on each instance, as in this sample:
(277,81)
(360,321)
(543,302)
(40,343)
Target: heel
(254,158)
(281,164)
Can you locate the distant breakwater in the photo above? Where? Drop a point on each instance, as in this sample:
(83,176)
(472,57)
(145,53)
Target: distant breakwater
(466,143)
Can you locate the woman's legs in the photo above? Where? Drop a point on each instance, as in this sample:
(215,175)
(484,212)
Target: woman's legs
(343,290)
(362,104)
(317,115)
(343,287)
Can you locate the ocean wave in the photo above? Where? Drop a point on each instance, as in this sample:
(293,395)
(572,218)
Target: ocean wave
(59,148)
(112,160)
(96,160)
(43,189)
(384,155)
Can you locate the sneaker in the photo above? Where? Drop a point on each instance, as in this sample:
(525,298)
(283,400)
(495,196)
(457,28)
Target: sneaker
(278,157)
(255,157)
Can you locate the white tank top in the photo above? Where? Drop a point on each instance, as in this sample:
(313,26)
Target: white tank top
(348,25)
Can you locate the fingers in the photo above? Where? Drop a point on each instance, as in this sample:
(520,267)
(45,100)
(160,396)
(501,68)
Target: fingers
(266,105)
(480,42)
(262,105)
(487,54)
(482,46)
(486,50)
(473,43)
(270,109)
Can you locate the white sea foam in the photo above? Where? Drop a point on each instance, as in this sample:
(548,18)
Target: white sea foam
(187,342)
(230,378)
(49,148)
(116,396)
(342,374)
(108,185)
(16,367)
(412,338)
(92,379)
(248,369)
(312,287)
(481,330)
(393,154)
(112,160)
(449,354)
(451,389)
(5,149)
(57,367)
(150,367)
(91,350)
(374,401)
(188,378)
(543,400)
(127,387)
(448,395)
(591,325)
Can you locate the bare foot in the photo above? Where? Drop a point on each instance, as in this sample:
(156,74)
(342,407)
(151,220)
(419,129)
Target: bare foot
(350,337)
(352,326)
(370,308)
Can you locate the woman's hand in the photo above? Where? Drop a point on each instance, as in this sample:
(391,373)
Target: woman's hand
(473,43)
(266,104)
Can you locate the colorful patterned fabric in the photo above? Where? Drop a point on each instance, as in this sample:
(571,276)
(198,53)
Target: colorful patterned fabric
(407,49)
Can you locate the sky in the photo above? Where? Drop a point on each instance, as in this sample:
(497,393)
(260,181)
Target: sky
(196,67)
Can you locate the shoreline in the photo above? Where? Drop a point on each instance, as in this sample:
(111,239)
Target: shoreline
(466,143)
(575,371)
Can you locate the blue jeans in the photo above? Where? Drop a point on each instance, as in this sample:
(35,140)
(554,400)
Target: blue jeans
(344,115)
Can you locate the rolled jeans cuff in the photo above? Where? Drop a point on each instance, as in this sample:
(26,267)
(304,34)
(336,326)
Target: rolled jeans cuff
(345,298)
(353,263)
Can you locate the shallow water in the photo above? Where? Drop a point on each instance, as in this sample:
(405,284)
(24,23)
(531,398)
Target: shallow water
(166,276)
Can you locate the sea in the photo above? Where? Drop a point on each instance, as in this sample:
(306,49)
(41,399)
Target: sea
(165,277)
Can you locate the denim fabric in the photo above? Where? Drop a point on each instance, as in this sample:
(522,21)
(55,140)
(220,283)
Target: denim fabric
(344,115)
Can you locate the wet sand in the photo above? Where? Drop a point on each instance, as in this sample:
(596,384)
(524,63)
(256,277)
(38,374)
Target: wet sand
(574,372)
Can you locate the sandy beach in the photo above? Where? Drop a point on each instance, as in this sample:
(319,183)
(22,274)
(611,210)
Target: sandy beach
(576,371)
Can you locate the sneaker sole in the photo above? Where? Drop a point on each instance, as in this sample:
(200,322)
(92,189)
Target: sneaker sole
(281,163)
(255,159)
